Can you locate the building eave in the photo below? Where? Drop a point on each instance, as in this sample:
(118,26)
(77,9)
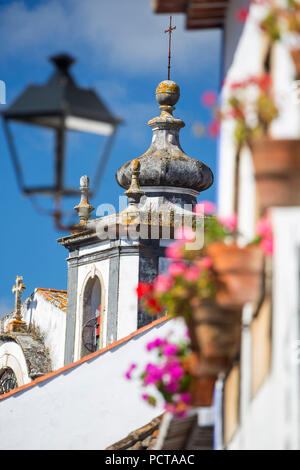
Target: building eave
(200,14)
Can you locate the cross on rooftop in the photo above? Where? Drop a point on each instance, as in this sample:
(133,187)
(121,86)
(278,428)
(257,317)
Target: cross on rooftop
(170,30)
(17,289)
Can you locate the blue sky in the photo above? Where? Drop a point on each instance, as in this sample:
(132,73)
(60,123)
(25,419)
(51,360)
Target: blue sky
(121,52)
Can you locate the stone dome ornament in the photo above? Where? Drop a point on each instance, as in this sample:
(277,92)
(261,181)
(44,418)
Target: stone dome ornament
(165,167)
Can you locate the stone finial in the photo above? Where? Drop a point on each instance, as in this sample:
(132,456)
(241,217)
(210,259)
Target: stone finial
(134,193)
(17,325)
(84,209)
(167,94)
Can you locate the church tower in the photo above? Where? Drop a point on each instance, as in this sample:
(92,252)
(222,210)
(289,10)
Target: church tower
(109,256)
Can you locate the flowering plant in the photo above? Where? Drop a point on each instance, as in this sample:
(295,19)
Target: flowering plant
(251,104)
(168,376)
(190,275)
(281,19)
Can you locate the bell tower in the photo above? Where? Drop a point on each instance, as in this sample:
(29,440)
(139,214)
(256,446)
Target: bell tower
(109,256)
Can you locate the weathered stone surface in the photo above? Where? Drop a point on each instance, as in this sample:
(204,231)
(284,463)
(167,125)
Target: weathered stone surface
(165,163)
(36,356)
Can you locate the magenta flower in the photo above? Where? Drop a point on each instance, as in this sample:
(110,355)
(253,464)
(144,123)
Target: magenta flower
(129,371)
(174,251)
(156,343)
(172,387)
(170,350)
(185,397)
(209,98)
(176,372)
(229,222)
(163,283)
(205,207)
(154,374)
(176,269)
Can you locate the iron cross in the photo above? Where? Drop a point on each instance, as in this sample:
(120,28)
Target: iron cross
(170,38)
(17,289)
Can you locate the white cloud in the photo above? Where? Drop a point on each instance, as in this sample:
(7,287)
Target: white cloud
(125,32)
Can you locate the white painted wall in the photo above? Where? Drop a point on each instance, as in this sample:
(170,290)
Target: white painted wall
(128,302)
(272,419)
(88,407)
(51,322)
(243,56)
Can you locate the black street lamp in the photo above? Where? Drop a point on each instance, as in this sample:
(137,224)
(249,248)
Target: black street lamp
(61,105)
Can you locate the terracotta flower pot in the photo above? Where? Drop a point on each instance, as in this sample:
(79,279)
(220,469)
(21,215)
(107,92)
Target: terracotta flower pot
(215,335)
(238,273)
(215,341)
(277,171)
(295,55)
(203,383)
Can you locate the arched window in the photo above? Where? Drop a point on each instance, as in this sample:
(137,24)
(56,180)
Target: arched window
(8,380)
(91,317)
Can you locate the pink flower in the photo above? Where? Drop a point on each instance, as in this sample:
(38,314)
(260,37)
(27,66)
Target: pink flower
(129,371)
(229,222)
(163,283)
(176,269)
(264,228)
(176,372)
(267,245)
(185,397)
(192,274)
(170,407)
(185,234)
(145,396)
(205,207)
(170,350)
(209,98)
(172,387)
(213,128)
(156,343)
(206,262)
(153,374)
(242,14)
(174,251)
